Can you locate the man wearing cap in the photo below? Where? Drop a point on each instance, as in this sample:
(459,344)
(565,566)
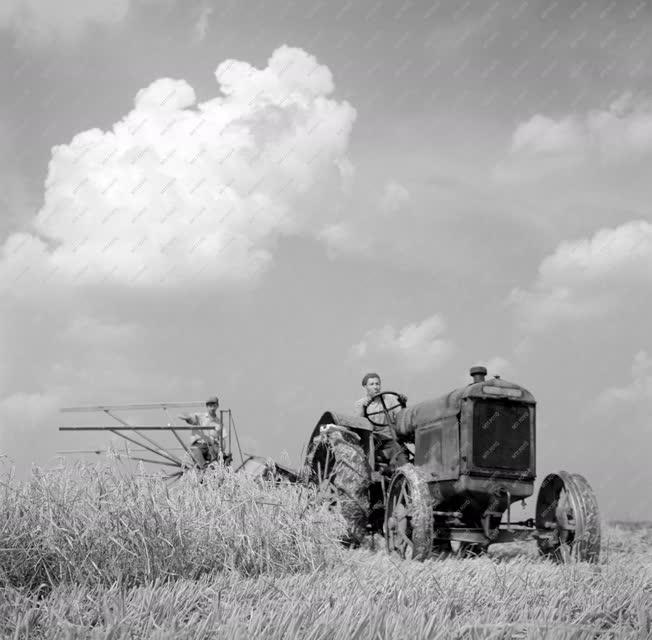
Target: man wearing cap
(388,448)
(212,443)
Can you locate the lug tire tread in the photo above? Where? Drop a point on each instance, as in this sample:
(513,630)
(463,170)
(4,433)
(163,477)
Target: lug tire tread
(422,506)
(351,480)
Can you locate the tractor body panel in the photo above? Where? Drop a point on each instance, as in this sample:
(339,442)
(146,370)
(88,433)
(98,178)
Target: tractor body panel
(437,448)
(428,413)
(477,444)
(473,494)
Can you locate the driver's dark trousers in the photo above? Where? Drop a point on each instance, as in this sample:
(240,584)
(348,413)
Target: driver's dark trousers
(391,452)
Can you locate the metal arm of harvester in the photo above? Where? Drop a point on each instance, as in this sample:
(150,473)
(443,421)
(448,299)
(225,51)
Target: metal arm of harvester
(135,433)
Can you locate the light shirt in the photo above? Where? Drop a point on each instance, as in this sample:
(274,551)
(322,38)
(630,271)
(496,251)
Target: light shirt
(215,427)
(383,431)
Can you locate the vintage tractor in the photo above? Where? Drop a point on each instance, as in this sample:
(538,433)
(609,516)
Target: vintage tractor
(472,455)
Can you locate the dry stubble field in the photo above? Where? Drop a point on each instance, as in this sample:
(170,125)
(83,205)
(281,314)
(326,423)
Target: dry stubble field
(90,552)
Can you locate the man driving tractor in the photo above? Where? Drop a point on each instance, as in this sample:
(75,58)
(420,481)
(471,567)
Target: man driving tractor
(388,449)
(212,444)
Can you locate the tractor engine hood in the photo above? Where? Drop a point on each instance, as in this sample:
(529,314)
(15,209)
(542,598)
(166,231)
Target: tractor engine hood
(449,405)
(429,411)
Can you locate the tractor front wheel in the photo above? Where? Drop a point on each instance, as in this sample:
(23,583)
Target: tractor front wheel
(408,515)
(567,508)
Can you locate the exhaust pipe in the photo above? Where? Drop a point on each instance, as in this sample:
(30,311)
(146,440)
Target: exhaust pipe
(478,373)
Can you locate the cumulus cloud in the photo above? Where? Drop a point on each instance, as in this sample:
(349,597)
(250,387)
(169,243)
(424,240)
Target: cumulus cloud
(145,225)
(37,22)
(587,277)
(176,193)
(619,134)
(541,134)
(418,346)
(620,254)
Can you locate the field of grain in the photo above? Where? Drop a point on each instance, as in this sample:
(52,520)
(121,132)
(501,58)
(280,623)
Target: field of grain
(90,552)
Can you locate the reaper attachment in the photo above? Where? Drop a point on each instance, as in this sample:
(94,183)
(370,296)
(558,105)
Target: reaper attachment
(192,456)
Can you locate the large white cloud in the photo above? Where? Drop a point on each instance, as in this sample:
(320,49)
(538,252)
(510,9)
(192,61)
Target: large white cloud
(113,292)
(418,346)
(175,193)
(588,277)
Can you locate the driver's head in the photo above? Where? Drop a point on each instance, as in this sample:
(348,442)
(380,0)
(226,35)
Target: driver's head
(371,383)
(212,404)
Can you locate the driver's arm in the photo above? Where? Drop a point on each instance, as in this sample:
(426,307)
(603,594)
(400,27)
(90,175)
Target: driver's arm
(359,407)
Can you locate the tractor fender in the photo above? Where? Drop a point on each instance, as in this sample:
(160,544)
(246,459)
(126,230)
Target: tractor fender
(354,424)
(329,428)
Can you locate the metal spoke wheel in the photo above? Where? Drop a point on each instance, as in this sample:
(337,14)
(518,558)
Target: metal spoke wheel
(408,515)
(567,507)
(324,475)
(339,468)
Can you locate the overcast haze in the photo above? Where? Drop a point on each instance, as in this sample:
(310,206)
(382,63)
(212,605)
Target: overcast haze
(264,200)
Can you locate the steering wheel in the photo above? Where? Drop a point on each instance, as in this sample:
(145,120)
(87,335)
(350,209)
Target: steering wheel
(386,408)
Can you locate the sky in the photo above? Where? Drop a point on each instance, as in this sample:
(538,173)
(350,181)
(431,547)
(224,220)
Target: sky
(265,200)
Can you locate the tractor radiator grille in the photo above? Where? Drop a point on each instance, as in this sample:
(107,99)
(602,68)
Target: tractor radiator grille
(501,435)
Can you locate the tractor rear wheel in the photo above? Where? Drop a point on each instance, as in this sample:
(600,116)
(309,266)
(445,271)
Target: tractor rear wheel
(338,466)
(408,514)
(567,506)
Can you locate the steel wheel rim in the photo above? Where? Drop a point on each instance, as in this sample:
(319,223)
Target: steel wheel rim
(325,478)
(567,505)
(399,527)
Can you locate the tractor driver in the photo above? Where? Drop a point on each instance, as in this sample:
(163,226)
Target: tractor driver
(212,444)
(388,449)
